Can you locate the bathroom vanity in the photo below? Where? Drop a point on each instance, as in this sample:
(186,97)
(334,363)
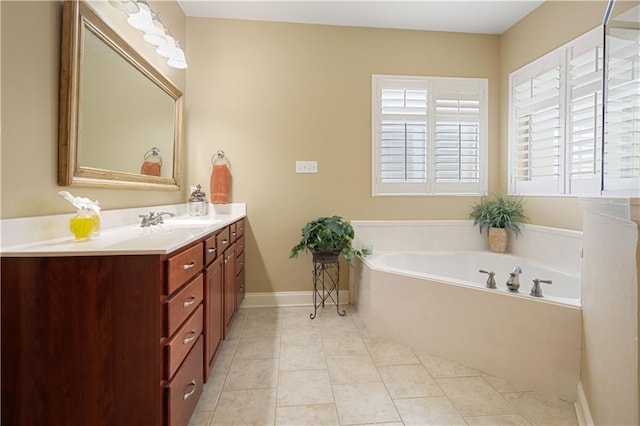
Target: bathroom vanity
(118,331)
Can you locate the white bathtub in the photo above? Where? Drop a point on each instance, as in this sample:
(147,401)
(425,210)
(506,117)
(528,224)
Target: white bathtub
(462,268)
(436,302)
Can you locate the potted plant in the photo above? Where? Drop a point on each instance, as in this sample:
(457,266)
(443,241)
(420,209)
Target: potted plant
(326,238)
(499,214)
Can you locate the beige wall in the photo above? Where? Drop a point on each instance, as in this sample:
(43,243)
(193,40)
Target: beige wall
(269,94)
(30,77)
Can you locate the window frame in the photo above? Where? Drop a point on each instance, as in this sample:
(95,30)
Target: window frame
(430,187)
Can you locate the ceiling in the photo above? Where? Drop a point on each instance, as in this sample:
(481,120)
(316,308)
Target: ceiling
(469,16)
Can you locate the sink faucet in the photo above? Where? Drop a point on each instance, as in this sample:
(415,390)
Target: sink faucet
(513,282)
(153,218)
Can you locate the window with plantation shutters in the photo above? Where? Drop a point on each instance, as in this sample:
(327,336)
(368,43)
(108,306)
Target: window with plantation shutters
(555,121)
(584,114)
(622,137)
(537,127)
(429,135)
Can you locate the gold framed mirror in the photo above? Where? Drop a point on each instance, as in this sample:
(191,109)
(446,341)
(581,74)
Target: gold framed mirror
(118,114)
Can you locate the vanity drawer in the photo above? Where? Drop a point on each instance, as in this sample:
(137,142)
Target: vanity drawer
(240,245)
(240,227)
(186,337)
(183,392)
(233,233)
(222,240)
(184,266)
(239,262)
(182,304)
(210,249)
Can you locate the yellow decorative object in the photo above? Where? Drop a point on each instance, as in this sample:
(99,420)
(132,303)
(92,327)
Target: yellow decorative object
(82,226)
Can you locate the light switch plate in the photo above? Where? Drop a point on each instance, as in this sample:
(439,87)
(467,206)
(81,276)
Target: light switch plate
(306,167)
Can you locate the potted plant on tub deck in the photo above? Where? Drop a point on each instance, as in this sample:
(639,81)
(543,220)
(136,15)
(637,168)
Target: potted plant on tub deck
(326,238)
(499,214)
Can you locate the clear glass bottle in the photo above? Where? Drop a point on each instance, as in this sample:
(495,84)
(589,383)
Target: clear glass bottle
(198,202)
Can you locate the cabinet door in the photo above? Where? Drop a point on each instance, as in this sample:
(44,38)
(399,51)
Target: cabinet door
(214,313)
(229,285)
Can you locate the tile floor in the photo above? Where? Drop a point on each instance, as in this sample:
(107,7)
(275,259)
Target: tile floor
(278,367)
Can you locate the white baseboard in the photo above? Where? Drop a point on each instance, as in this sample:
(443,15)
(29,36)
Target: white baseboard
(582,408)
(287,298)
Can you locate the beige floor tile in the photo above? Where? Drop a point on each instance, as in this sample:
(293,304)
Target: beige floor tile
(308,415)
(440,367)
(351,369)
(364,403)
(409,381)
(541,410)
(201,418)
(246,407)
(304,387)
(252,374)
(302,357)
(298,317)
(267,327)
(211,392)
(428,411)
(301,336)
(258,347)
(386,352)
(502,385)
(503,420)
(350,345)
(474,396)
(264,313)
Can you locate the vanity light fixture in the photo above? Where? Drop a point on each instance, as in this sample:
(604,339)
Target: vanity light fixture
(147,20)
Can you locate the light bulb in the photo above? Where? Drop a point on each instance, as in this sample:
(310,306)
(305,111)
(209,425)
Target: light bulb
(168,49)
(142,20)
(178,60)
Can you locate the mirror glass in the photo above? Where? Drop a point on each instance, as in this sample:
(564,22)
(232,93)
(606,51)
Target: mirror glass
(120,123)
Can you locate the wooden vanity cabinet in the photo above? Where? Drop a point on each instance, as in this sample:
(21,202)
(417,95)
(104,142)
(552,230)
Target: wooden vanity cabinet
(80,340)
(115,340)
(229,287)
(214,318)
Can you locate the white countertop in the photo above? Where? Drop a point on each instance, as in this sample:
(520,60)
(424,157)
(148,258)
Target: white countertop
(124,239)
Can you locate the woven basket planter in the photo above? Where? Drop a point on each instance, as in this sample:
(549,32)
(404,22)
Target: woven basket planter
(498,240)
(326,256)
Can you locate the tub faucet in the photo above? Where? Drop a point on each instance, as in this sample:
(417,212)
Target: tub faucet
(513,282)
(536,290)
(491,281)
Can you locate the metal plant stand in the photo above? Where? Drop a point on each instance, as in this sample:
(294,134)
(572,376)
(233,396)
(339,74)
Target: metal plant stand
(326,283)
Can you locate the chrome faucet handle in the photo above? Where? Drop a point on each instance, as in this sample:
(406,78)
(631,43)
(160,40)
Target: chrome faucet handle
(144,223)
(517,270)
(536,290)
(491,281)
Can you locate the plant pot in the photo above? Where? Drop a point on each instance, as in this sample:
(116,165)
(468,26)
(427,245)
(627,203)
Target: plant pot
(498,239)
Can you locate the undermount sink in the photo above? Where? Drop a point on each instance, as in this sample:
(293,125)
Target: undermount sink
(191,222)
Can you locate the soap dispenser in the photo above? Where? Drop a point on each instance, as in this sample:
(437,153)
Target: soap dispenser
(197,202)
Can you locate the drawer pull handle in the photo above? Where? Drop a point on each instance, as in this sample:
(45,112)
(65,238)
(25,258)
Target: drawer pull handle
(189,265)
(225,241)
(192,335)
(211,250)
(233,233)
(188,394)
(189,301)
